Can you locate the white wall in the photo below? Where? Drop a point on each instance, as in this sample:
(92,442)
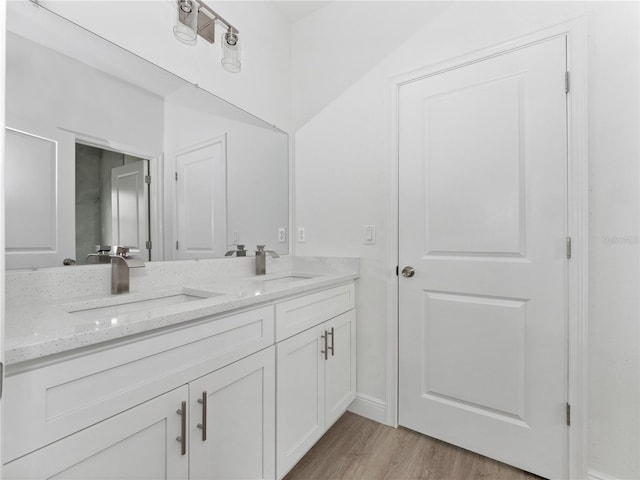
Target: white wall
(257,170)
(146,29)
(43,86)
(342,115)
(3,19)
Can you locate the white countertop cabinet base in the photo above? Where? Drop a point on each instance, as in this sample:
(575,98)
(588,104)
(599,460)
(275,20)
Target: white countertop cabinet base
(314,389)
(115,411)
(240,422)
(138,443)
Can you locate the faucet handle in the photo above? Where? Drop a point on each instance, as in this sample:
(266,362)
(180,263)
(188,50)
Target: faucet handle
(125,251)
(260,249)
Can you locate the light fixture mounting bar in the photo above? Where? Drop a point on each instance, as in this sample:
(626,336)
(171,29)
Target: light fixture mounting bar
(206,22)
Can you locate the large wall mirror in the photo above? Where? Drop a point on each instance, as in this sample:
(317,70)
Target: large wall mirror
(104,148)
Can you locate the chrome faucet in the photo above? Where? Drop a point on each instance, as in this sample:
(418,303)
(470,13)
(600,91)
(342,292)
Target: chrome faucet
(121,262)
(261,259)
(240,252)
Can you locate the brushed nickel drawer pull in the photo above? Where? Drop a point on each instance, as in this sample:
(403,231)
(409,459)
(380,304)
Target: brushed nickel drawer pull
(183,428)
(203,425)
(326,349)
(332,342)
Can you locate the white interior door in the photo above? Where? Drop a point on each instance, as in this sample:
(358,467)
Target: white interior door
(201,200)
(39,195)
(483,202)
(130,207)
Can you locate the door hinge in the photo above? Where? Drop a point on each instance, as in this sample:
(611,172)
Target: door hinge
(568,415)
(176,245)
(147,179)
(566,82)
(176,176)
(568,244)
(397,270)
(148,244)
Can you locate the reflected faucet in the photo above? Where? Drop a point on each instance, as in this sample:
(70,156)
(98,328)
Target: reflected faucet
(240,252)
(121,262)
(102,255)
(261,259)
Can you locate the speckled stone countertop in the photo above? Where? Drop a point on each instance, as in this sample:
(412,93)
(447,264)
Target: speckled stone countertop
(37,328)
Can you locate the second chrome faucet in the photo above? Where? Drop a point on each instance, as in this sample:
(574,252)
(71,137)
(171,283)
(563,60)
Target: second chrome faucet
(261,259)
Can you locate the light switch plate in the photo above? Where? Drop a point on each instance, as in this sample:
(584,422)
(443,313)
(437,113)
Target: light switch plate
(369,234)
(302,236)
(236,238)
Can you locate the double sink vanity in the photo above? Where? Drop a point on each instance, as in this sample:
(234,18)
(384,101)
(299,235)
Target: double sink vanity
(202,371)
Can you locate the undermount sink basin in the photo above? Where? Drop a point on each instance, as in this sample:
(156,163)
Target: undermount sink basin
(99,313)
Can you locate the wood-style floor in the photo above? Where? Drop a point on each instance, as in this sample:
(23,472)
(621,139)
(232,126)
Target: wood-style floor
(356,448)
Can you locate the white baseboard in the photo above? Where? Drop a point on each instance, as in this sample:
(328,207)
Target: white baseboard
(369,407)
(593,475)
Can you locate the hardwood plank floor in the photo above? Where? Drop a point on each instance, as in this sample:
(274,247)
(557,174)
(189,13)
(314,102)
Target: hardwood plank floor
(357,448)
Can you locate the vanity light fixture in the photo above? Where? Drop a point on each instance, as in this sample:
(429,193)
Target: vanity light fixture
(194,17)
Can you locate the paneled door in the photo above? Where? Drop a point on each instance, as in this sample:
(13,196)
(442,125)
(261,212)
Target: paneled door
(130,208)
(201,200)
(482,252)
(39,194)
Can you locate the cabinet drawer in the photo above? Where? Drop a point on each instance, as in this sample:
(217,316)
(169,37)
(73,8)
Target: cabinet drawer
(298,314)
(52,401)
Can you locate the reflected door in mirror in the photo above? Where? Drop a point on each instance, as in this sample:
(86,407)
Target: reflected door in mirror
(129,205)
(201,200)
(39,210)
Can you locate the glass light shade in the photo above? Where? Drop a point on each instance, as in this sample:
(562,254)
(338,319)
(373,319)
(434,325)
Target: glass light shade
(230,52)
(186,27)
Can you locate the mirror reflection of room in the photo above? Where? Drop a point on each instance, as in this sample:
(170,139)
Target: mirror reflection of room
(111,204)
(205,159)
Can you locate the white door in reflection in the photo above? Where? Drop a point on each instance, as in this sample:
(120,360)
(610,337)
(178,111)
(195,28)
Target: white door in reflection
(201,200)
(129,207)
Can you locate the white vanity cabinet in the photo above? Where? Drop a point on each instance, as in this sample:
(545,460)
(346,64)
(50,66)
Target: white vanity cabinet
(316,371)
(225,429)
(239,395)
(118,406)
(232,421)
(139,443)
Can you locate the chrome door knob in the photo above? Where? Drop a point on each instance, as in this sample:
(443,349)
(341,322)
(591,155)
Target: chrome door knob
(408,272)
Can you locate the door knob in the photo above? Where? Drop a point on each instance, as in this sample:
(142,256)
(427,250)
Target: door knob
(408,272)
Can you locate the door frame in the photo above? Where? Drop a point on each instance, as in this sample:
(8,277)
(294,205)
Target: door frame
(575,31)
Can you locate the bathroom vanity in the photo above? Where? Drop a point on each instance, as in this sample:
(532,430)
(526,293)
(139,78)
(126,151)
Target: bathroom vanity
(234,378)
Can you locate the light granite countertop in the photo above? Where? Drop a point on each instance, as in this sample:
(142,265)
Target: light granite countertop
(34,330)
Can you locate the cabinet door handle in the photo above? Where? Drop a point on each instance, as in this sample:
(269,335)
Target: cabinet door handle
(326,349)
(203,425)
(332,342)
(183,428)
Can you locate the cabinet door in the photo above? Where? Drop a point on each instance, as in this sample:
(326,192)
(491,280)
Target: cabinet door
(232,429)
(300,390)
(139,443)
(340,374)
